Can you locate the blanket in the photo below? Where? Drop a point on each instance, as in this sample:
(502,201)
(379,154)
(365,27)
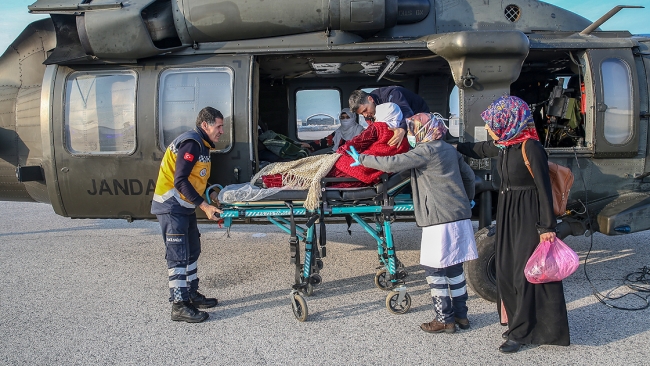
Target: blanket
(302,174)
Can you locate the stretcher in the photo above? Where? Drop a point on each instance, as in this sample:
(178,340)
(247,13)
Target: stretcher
(374,208)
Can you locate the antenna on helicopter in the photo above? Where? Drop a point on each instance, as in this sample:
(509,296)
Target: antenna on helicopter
(606,17)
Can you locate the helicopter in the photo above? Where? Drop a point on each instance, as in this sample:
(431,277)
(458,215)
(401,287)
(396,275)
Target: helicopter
(92,95)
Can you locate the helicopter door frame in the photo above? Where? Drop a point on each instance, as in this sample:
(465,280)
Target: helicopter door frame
(614,74)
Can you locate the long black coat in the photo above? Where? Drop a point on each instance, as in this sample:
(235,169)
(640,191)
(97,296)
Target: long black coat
(536,313)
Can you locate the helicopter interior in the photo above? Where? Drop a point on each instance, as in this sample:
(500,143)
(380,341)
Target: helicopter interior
(549,82)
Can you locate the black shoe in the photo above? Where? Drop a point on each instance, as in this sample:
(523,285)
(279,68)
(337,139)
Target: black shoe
(509,346)
(504,335)
(197,299)
(462,323)
(185,311)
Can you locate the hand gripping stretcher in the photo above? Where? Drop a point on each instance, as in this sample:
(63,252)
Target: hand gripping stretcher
(379,204)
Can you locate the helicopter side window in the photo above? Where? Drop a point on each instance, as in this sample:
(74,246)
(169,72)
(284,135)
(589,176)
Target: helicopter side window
(100,112)
(184,92)
(617,92)
(317,112)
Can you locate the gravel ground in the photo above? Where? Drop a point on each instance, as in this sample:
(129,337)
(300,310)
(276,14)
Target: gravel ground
(95,292)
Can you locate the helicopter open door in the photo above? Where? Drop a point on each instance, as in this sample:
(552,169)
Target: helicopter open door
(112,123)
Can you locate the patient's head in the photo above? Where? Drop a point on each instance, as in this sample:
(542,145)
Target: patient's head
(389,113)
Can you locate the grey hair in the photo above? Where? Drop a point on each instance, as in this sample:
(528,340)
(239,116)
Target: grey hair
(208,115)
(357,98)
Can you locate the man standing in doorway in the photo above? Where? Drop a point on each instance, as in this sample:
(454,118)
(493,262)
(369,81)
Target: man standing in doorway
(183,176)
(409,103)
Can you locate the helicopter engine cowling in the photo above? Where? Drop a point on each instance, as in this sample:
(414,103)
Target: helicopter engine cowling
(144,28)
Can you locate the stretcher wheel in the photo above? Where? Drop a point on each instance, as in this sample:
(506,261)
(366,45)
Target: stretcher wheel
(382,282)
(394,307)
(299,307)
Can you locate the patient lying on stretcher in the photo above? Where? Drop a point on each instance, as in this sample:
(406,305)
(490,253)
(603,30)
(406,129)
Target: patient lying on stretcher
(372,141)
(306,173)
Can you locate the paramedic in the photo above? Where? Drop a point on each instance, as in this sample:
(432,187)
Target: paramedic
(409,103)
(183,176)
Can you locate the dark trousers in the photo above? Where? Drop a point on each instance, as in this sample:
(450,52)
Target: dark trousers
(448,291)
(183,247)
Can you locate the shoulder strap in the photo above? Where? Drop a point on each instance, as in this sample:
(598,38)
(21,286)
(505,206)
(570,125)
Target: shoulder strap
(523,151)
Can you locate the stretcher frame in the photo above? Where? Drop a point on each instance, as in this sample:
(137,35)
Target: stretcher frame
(379,210)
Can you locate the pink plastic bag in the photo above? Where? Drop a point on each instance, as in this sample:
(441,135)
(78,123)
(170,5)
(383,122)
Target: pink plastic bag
(551,261)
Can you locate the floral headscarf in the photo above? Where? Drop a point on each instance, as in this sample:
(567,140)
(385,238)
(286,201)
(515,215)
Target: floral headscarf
(510,119)
(426,127)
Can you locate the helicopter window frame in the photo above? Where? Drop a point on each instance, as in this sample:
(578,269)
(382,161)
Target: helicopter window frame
(612,91)
(132,89)
(222,146)
(298,132)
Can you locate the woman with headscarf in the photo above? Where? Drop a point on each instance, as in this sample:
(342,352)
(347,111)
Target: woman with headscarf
(443,186)
(372,141)
(536,314)
(349,129)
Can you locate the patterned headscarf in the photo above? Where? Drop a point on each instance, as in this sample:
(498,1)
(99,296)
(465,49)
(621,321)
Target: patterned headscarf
(389,113)
(426,127)
(510,119)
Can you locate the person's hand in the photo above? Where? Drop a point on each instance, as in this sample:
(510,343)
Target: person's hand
(214,198)
(306,146)
(550,237)
(398,136)
(355,155)
(210,211)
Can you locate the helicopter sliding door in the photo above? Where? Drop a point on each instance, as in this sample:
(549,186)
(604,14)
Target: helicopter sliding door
(616,132)
(113,124)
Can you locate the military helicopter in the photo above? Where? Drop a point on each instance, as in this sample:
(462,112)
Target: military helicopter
(93,95)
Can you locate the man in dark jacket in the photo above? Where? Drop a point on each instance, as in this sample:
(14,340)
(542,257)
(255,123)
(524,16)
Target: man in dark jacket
(409,103)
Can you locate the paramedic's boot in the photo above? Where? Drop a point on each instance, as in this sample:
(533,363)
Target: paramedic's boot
(435,326)
(186,312)
(197,299)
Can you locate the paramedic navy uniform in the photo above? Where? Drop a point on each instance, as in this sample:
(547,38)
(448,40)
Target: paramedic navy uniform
(409,103)
(184,173)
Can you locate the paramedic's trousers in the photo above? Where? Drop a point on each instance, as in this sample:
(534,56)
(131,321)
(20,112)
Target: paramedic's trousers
(183,247)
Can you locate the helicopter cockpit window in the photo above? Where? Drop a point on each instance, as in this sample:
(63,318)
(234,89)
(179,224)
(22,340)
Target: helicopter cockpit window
(100,112)
(184,92)
(317,113)
(617,92)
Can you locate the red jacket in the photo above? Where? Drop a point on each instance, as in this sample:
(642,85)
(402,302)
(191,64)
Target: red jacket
(372,141)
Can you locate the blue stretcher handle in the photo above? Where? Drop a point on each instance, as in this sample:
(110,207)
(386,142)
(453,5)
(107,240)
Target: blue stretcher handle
(207,192)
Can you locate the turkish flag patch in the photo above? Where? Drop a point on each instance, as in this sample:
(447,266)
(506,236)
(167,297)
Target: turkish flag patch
(189,157)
